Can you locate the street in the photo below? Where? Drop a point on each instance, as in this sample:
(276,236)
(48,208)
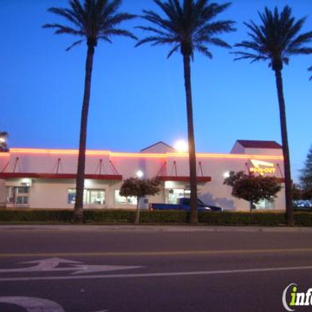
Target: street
(146,268)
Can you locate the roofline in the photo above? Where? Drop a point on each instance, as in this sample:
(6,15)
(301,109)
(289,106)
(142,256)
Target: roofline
(159,142)
(270,144)
(71,152)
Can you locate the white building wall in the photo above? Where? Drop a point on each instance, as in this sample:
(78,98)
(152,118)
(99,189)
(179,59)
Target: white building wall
(263,151)
(4,159)
(45,194)
(53,193)
(2,193)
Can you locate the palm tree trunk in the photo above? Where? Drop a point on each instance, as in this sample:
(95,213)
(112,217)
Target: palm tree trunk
(137,213)
(78,210)
(191,139)
(287,172)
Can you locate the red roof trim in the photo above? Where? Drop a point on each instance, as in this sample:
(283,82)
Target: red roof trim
(259,144)
(183,178)
(62,176)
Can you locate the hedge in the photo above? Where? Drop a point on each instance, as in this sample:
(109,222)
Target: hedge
(111,216)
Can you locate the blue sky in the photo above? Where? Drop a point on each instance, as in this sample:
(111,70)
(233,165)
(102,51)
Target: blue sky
(137,93)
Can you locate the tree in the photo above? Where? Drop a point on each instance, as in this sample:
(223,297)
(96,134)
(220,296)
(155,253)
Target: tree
(188,27)
(296,192)
(306,177)
(310,69)
(3,142)
(276,39)
(139,188)
(92,20)
(252,188)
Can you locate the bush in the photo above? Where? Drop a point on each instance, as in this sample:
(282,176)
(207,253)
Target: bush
(35,215)
(161,216)
(303,218)
(111,216)
(242,218)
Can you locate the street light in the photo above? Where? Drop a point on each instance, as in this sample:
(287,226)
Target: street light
(140,174)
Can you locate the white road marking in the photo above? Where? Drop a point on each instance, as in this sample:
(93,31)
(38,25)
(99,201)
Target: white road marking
(51,265)
(33,304)
(163,274)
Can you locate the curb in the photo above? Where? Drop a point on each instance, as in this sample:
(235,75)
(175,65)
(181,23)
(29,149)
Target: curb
(157,228)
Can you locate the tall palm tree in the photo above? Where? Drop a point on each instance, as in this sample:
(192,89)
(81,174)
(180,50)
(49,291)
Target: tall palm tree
(276,39)
(188,26)
(92,20)
(3,143)
(310,69)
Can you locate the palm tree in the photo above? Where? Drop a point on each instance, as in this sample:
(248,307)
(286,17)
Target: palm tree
(3,143)
(188,27)
(92,20)
(276,39)
(310,69)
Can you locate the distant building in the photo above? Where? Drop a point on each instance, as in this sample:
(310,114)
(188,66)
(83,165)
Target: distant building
(45,178)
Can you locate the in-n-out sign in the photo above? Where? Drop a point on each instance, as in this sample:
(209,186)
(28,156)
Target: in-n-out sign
(262,167)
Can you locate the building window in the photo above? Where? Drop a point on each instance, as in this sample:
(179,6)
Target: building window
(90,196)
(265,204)
(175,194)
(95,197)
(130,200)
(71,196)
(17,195)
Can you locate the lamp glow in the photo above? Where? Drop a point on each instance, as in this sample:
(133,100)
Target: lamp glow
(181,146)
(226,174)
(140,174)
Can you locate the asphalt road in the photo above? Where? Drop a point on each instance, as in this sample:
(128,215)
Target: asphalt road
(149,269)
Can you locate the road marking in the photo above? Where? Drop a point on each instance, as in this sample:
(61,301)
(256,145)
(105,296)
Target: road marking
(162,274)
(33,304)
(51,265)
(153,253)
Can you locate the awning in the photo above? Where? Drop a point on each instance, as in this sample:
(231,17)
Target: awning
(183,178)
(62,176)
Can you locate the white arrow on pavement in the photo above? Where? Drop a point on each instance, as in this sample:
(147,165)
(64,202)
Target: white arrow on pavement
(43,265)
(33,304)
(51,265)
(82,269)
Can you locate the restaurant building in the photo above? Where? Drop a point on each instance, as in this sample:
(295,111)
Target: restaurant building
(45,178)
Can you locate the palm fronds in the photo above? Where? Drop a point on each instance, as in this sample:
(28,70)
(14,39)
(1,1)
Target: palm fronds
(188,24)
(92,20)
(276,38)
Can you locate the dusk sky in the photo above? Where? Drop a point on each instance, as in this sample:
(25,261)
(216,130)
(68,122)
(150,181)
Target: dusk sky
(137,93)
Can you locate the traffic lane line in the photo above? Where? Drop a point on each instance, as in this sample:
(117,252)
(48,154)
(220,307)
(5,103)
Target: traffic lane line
(161,274)
(155,253)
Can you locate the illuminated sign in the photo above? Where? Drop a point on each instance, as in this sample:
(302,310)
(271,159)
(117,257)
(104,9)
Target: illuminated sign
(262,167)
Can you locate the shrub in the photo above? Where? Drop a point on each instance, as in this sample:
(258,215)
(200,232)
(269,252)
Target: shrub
(35,215)
(109,216)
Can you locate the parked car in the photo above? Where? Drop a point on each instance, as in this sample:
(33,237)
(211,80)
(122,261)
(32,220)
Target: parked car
(184,204)
(302,205)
